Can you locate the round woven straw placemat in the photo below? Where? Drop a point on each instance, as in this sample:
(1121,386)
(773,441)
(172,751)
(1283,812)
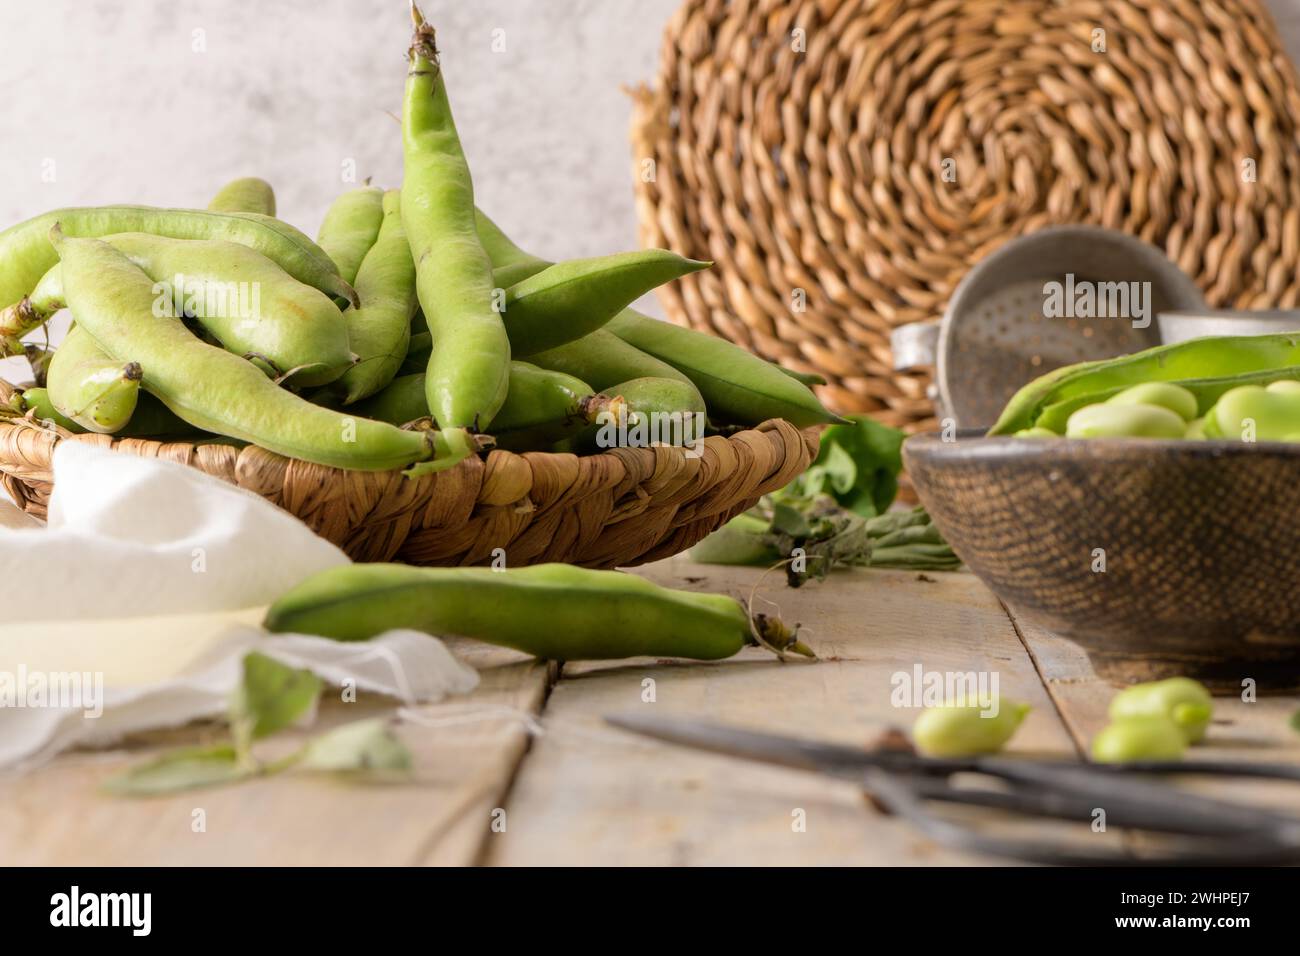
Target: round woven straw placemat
(620,508)
(844,162)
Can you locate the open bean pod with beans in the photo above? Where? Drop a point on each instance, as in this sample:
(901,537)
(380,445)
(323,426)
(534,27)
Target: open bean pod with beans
(1235,388)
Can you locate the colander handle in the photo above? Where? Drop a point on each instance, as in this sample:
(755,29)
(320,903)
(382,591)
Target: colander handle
(915,344)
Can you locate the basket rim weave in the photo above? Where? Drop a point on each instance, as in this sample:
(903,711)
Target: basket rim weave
(618,508)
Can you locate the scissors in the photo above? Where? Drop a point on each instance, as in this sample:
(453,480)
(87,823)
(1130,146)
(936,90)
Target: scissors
(1205,831)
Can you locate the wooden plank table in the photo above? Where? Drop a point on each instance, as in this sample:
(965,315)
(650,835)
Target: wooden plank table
(525,771)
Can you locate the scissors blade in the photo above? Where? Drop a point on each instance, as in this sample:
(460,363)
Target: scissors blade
(835,760)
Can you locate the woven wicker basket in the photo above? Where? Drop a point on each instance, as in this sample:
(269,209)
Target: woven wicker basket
(624,507)
(810,147)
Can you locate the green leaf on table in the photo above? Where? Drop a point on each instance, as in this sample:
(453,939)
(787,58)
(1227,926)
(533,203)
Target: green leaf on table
(838,472)
(836,514)
(187,769)
(744,540)
(366,745)
(271,696)
(857,465)
(1295,721)
(788,520)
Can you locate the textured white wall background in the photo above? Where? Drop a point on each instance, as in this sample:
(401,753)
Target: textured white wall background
(117,97)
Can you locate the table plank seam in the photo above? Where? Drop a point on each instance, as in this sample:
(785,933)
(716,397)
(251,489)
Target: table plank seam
(554,674)
(1076,737)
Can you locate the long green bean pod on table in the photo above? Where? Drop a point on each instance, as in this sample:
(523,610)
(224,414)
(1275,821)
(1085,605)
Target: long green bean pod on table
(555,611)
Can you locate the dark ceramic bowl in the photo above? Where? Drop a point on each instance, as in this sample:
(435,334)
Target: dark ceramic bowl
(1201,543)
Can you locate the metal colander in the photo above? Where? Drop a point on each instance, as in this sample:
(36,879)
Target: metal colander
(996,333)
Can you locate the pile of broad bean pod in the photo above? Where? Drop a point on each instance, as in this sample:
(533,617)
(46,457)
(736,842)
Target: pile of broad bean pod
(394,341)
(412,332)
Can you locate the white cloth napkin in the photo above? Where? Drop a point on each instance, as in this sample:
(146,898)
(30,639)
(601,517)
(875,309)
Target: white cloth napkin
(141,596)
(128,536)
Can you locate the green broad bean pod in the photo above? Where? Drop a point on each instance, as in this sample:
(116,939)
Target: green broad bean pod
(595,343)
(351,227)
(554,611)
(502,251)
(605,360)
(506,276)
(36,402)
(648,411)
(741,541)
(600,358)
(97,392)
(32,310)
(400,402)
(241,298)
(544,407)
(1214,357)
(803,378)
(568,300)
(541,407)
(469,367)
(380,329)
(739,387)
(26,253)
(219,392)
(151,418)
(249,194)
(417,354)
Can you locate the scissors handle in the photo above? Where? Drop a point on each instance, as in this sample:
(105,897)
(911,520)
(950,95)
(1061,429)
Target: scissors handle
(906,796)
